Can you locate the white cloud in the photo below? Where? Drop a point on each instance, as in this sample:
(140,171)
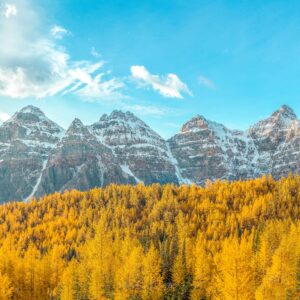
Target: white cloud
(9,10)
(58,32)
(4,117)
(170,86)
(32,64)
(95,53)
(49,70)
(206,82)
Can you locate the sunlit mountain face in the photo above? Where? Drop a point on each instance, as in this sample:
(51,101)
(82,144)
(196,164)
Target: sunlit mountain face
(39,157)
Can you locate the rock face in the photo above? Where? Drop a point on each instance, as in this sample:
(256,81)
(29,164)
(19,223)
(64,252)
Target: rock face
(26,141)
(277,140)
(208,150)
(80,161)
(140,151)
(38,157)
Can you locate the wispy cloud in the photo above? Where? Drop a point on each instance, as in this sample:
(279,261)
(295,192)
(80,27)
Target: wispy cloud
(146,109)
(43,67)
(169,86)
(58,32)
(206,82)
(4,117)
(98,89)
(9,10)
(49,71)
(95,53)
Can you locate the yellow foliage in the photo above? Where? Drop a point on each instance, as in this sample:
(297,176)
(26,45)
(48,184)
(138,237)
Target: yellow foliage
(6,289)
(227,240)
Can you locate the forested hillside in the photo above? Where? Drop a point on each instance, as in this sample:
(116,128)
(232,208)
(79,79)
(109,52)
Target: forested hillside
(238,240)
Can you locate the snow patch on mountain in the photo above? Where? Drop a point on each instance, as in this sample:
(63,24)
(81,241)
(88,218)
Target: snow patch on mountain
(126,170)
(38,182)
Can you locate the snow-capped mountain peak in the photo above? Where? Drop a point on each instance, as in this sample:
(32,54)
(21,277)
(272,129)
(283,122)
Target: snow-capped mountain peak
(30,109)
(280,120)
(285,112)
(120,128)
(31,124)
(26,141)
(196,123)
(136,145)
(37,156)
(77,128)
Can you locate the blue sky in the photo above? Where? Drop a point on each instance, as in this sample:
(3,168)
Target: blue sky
(232,61)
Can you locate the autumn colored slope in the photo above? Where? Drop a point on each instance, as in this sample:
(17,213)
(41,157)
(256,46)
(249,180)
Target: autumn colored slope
(238,240)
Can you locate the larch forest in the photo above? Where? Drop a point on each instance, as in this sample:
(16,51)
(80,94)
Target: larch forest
(228,240)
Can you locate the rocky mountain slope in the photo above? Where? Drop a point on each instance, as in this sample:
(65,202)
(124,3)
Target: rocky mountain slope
(277,140)
(26,141)
(208,150)
(80,161)
(140,151)
(38,157)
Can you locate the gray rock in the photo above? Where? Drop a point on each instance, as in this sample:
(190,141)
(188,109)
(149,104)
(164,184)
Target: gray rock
(208,150)
(80,162)
(140,151)
(38,157)
(26,141)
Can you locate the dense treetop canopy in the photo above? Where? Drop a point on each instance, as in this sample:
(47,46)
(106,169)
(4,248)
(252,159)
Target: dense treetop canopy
(237,240)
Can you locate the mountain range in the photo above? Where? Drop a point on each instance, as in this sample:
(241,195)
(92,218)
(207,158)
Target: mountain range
(39,157)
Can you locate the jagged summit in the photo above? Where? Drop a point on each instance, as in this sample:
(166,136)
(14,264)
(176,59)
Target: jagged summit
(123,128)
(284,115)
(26,141)
(28,114)
(195,123)
(285,112)
(76,125)
(200,123)
(32,110)
(121,114)
(122,117)
(104,117)
(30,123)
(77,128)
(279,121)
(141,152)
(116,114)
(34,119)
